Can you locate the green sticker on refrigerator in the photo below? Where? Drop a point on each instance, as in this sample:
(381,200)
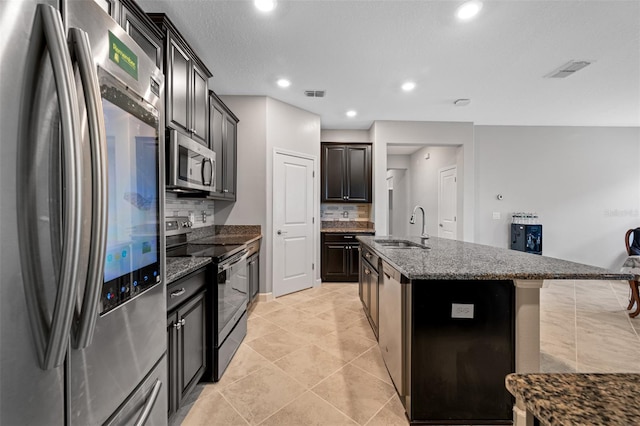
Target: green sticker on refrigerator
(123,56)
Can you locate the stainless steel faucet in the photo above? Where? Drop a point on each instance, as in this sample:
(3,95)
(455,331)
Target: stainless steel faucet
(424,235)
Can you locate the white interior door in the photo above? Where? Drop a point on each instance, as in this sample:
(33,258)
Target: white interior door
(293,238)
(447,203)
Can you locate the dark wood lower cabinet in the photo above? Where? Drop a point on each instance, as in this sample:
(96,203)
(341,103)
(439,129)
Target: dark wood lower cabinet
(368,287)
(340,258)
(186,340)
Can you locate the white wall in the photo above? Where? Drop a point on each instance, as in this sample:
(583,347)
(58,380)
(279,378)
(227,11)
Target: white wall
(250,207)
(384,133)
(583,181)
(344,136)
(399,212)
(266,124)
(424,184)
(293,129)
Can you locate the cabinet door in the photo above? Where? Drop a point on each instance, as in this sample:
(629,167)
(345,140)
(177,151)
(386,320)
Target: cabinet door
(254,276)
(172,364)
(333,172)
(200,106)
(216,125)
(358,173)
(373,299)
(354,261)
(139,31)
(178,98)
(111,7)
(192,342)
(230,163)
(335,265)
(364,286)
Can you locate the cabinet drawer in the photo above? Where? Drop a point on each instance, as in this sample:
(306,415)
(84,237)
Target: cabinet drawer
(341,238)
(370,256)
(183,289)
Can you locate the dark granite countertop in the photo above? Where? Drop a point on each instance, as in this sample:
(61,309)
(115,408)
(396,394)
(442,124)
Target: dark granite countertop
(228,239)
(579,399)
(225,234)
(178,267)
(449,259)
(347,230)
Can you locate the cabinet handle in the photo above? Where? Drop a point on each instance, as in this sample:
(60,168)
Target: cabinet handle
(367,255)
(350,237)
(177,325)
(225,190)
(194,131)
(178,293)
(183,321)
(366,271)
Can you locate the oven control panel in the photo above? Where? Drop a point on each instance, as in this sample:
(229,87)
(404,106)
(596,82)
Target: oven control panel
(177,225)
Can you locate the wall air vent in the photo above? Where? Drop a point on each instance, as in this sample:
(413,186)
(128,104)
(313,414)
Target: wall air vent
(568,69)
(314,93)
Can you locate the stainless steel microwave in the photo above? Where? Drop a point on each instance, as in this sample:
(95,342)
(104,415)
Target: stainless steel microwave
(191,166)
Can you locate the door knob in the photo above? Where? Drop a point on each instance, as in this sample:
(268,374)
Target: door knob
(281,232)
(441,226)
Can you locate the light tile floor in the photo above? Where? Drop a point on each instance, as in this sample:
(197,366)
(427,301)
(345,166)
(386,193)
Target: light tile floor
(310,358)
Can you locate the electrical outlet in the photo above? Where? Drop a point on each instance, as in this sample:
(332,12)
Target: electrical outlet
(461,310)
(496,215)
(345,214)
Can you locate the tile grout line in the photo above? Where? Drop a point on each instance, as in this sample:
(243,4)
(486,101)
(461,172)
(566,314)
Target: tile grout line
(232,406)
(381,408)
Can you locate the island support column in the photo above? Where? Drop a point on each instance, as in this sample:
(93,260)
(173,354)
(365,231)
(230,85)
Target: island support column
(527,338)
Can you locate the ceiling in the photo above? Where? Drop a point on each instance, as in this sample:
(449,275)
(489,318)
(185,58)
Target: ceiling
(360,52)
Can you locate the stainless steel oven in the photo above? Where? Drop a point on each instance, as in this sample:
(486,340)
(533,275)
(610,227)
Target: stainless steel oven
(233,297)
(191,167)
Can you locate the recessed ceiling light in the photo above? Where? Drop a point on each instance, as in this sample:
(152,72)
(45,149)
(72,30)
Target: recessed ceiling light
(408,86)
(283,82)
(265,5)
(351,113)
(468,10)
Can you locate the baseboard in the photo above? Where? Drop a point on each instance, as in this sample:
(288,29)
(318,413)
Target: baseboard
(265,297)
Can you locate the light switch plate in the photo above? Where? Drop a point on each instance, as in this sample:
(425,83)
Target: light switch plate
(461,310)
(496,215)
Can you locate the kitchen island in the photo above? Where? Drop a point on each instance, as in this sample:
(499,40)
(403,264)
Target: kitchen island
(578,399)
(455,318)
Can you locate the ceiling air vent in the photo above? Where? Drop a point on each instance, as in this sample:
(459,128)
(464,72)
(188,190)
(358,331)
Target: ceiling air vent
(568,69)
(314,93)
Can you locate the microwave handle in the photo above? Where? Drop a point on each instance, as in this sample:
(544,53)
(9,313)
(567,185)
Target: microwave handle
(206,180)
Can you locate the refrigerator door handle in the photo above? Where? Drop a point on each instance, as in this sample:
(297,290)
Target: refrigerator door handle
(81,49)
(51,335)
(148,406)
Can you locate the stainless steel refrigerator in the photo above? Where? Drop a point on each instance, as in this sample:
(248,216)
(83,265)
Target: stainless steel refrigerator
(82,302)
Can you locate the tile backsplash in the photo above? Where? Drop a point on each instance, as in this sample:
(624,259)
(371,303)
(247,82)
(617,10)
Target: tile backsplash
(350,212)
(175,206)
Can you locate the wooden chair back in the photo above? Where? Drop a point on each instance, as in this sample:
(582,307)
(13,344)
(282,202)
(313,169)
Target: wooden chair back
(627,242)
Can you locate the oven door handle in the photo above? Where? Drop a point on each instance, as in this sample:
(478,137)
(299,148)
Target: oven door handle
(234,261)
(85,323)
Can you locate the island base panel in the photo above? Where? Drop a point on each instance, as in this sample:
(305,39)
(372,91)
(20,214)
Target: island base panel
(462,348)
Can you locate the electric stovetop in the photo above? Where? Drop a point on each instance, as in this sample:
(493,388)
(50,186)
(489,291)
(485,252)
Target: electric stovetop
(217,253)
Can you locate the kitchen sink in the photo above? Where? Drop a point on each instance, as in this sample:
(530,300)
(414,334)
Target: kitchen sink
(400,244)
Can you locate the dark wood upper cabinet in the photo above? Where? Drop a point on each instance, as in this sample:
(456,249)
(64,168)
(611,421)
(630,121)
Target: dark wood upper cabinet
(223,130)
(187,87)
(141,29)
(346,173)
(177,111)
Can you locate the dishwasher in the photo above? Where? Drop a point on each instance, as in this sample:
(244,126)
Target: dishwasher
(395,327)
